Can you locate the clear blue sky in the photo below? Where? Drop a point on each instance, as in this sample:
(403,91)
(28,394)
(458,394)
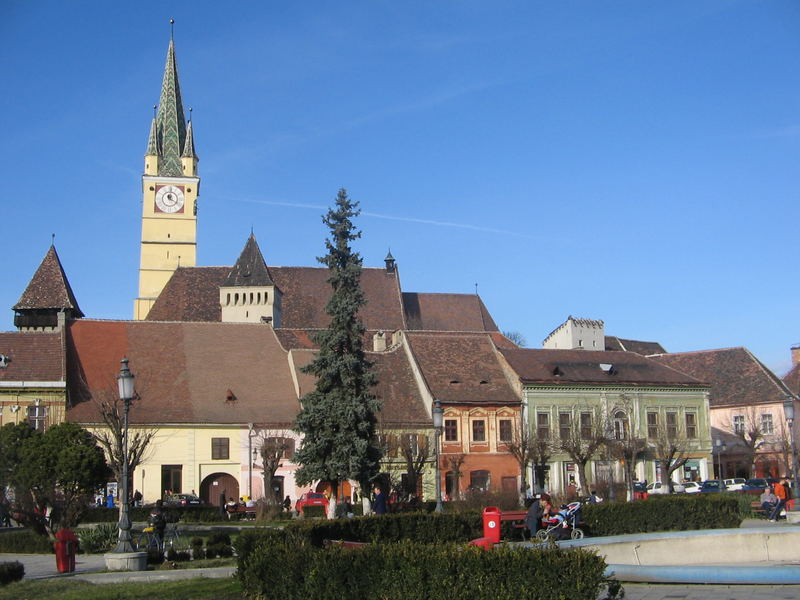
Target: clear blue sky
(630,161)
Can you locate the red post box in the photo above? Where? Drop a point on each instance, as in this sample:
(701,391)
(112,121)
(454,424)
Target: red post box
(491,524)
(66,548)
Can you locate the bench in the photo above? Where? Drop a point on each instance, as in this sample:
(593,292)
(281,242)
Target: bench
(755,507)
(241,512)
(516,518)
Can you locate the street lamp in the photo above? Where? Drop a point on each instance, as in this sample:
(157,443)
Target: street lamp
(721,447)
(125,381)
(438,415)
(788,413)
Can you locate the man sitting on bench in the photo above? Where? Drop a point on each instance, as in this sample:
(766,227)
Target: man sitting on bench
(768,501)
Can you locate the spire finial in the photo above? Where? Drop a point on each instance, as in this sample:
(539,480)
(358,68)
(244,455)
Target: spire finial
(52,239)
(172,29)
(155,108)
(476,289)
(190,113)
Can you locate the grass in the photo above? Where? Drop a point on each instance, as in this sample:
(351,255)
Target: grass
(200,588)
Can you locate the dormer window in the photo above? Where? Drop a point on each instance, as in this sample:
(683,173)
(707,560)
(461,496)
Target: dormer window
(230,396)
(4,360)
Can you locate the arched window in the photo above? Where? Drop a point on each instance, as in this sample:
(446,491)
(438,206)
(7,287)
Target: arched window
(621,430)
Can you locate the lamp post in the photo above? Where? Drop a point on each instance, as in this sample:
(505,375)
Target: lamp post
(125,381)
(721,447)
(788,413)
(438,416)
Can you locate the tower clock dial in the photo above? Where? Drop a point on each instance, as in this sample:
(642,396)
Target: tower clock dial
(169,199)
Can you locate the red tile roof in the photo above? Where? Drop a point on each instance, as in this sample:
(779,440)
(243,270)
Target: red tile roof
(589,367)
(461,368)
(183,371)
(35,356)
(446,312)
(792,379)
(736,376)
(638,346)
(49,288)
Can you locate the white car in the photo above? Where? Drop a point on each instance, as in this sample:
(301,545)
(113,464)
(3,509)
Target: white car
(735,484)
(691,487)
(657,488)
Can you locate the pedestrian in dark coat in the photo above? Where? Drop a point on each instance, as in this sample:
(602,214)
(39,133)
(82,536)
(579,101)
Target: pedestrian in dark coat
(533,520)
(379,506)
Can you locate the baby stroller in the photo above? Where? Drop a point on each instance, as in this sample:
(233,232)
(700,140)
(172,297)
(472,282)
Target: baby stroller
(563,525)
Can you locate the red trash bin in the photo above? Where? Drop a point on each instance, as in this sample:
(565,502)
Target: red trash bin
(66,548)
(491,524)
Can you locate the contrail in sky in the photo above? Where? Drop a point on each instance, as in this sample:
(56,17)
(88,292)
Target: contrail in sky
(395,218)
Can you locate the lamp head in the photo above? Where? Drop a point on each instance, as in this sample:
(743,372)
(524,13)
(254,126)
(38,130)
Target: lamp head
(788,408)
(438,413)
(125,381)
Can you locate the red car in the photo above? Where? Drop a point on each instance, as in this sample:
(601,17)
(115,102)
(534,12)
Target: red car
(311,499)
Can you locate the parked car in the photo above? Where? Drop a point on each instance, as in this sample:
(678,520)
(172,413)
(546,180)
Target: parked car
(756,483)
(691,487)
(311,499)
(735,484)
(657,488)
(182,500)
(713,485)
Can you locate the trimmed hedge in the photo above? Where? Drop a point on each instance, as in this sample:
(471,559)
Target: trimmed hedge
(409,571)
(25,542)
(664,513)
(173,514)
(11,572)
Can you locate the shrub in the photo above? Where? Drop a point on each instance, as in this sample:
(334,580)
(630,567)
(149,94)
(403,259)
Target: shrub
(314,512)
(154,557)
(219,537)
(25,542)
(98,539)
(663,513)
(11,571)
(412,571)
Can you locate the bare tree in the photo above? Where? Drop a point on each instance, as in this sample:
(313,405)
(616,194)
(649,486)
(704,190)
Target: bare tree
(273,446)
(411,452)
(528,448)
(516,337)
(748,430)
(454,463)
(111,435)
(623,444)
(582,432)
(669,445)
(542,448)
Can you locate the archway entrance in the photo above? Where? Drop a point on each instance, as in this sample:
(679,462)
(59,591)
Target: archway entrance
(345,489)
(218,487)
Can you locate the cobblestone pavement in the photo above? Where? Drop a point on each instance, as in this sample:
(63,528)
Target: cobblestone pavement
(643,591)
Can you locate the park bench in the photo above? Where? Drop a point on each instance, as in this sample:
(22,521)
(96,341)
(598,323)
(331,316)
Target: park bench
(241,512)
(517,520)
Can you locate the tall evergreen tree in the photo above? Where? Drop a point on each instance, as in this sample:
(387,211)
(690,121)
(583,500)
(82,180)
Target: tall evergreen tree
(338,418)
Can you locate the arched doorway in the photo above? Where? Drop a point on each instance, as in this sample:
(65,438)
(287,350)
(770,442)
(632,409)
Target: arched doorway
(345,489)
(218,487)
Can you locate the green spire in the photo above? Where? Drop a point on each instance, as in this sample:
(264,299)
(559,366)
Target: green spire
(188,147)
(152,140)
(170,122)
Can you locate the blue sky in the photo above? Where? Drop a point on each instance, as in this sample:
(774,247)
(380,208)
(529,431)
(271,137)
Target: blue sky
(629,161)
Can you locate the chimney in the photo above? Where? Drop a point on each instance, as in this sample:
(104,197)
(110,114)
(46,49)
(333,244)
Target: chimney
(379,341)
(795,355)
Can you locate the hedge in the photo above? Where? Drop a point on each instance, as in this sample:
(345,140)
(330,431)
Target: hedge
(664,513)
(185,514)
(409,571)
(25,542)
(11,571)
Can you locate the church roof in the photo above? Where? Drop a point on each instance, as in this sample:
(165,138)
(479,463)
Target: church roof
(737,377)
(35,356)
(461,368)
(593,367)
(49,288)
(446,312)
(170,120)
(250,269)
(188,146)
(184,371)
(792,379)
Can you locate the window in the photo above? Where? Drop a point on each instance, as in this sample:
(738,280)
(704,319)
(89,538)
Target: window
(506,430)
(450,430)
(766,424)
(36,416)
(564,426)
(586,426)
(479,480)
(279,447)
(220,448)
(738,423)
(652,425)
(672,425)
(479,430)
(542,426)
(409,443)
(620,425)
(691,426)
(171,479)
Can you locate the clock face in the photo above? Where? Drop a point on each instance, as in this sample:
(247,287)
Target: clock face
(169,199)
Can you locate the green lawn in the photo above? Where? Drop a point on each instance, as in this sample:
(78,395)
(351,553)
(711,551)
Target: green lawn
(73,589)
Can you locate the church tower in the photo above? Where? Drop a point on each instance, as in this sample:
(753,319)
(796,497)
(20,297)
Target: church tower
(170,187)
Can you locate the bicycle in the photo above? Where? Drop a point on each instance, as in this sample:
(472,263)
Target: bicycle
(148,539)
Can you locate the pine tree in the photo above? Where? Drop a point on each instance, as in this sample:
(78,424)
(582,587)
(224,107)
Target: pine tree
(338,418)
